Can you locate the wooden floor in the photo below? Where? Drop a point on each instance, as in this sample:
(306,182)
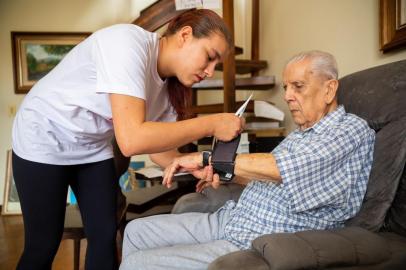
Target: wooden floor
(12,238)
(12,242)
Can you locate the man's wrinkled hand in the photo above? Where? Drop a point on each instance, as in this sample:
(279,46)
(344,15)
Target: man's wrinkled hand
(209,178)
(191,163)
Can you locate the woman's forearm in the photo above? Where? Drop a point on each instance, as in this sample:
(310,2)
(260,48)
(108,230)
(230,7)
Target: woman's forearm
(136,136)
(155,137)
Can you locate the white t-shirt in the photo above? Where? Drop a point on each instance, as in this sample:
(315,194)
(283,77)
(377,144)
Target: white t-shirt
(66,117)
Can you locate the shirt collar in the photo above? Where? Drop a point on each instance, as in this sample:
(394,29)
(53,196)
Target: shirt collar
(327,121)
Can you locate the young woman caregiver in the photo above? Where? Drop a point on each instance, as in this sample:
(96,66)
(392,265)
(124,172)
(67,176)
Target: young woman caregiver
(125,82)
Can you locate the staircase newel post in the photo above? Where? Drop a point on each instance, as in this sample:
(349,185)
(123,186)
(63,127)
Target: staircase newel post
(229,61)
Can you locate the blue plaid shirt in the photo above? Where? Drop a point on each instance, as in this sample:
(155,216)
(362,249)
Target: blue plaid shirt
(324,172)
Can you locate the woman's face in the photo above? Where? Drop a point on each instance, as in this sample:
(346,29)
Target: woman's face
(198,57)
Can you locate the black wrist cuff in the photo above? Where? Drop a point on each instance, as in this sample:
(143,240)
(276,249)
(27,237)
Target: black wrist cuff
(223,158)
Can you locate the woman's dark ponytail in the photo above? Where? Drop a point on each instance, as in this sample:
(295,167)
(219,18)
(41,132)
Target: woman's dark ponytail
(180,97)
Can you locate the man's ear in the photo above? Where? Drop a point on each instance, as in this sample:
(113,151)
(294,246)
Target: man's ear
(331,91)
(184,35)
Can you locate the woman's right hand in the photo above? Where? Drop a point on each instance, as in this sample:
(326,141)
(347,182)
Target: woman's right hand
(227,126)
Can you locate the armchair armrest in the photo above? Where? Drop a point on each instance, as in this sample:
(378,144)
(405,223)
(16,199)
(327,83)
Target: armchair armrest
(322,248)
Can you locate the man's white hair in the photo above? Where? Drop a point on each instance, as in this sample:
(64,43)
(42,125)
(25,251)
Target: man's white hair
(322,63)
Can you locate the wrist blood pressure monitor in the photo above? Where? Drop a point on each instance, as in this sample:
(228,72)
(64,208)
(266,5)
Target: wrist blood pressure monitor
(223,154)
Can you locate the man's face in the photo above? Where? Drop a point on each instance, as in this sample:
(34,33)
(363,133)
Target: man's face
(306,93)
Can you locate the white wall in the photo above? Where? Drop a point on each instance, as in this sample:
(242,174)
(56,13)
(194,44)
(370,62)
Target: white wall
(349,29)
(346,28)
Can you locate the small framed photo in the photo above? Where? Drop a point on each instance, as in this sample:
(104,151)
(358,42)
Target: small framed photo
(37,53)
(11,202)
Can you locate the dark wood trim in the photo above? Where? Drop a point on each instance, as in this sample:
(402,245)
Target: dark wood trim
(391,37)
(255,34)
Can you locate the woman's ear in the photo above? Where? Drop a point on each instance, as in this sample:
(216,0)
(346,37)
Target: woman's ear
(331,90)
(184,35)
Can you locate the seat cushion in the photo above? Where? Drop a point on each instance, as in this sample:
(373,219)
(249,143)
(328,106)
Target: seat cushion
(322,249)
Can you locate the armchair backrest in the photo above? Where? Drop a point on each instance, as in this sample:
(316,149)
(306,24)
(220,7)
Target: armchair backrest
(378,95)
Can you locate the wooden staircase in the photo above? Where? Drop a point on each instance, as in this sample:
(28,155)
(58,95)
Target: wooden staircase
(162,11)
(243,66)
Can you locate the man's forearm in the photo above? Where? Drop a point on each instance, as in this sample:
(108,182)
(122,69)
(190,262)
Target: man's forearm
(259,166)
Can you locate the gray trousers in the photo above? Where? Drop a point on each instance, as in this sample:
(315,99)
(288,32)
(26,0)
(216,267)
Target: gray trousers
(175,241)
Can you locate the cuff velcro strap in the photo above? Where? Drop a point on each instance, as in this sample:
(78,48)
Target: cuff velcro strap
(224,170)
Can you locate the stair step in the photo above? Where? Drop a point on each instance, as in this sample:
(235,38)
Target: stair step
(219,108)
(252,83)
(243,66)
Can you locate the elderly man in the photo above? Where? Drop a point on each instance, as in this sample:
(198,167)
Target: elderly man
(315,179)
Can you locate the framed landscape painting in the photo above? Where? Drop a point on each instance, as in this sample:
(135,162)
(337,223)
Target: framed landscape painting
(37,53)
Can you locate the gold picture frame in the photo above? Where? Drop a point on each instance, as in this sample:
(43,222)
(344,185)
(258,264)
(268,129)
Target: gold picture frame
(36,53)
(11,202)
(392,24)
